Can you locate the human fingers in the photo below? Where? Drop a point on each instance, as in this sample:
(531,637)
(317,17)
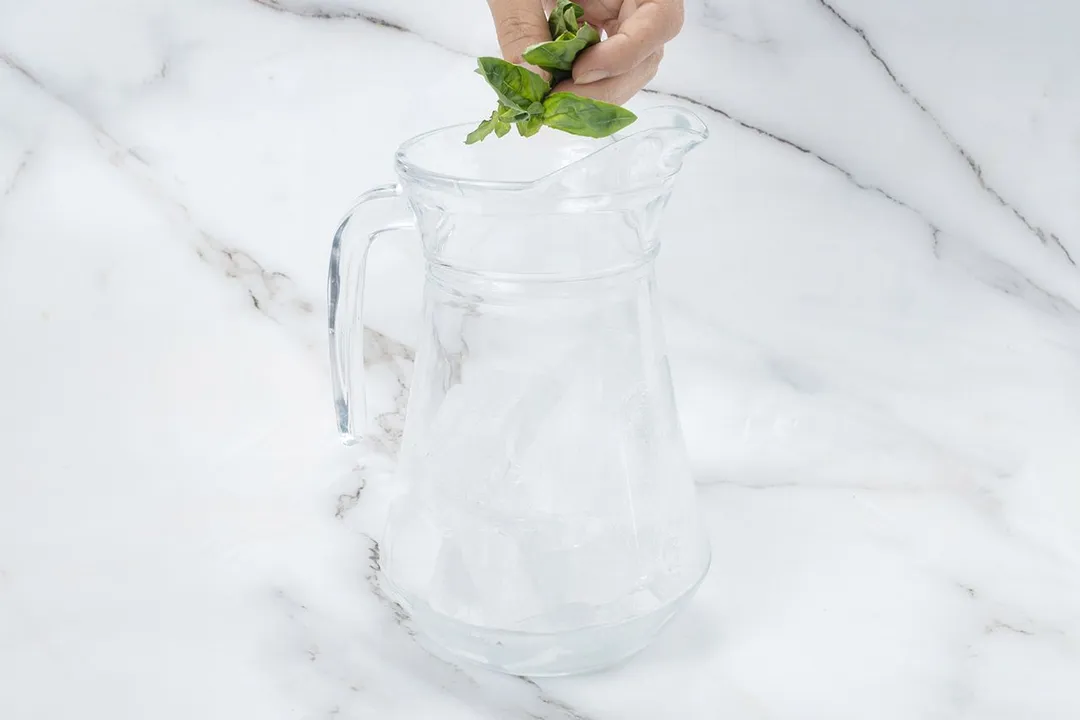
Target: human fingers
(518,24)
(605,13)
(617,90)
(639,36)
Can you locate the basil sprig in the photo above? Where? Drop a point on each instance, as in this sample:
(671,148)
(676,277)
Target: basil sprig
(558,55)
(565,18)
(525,98)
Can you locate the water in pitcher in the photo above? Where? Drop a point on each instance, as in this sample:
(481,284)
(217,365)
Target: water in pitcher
(545,519)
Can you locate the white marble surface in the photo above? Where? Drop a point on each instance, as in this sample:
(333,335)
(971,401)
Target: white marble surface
(875,341)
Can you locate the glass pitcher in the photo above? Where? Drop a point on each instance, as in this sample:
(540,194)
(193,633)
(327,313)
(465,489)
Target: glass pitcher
(545,520)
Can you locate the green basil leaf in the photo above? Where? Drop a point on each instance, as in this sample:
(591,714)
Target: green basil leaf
(564,18)
(510,115)
(584,116)
(501,128)
(559,54)
(517,87)
(530,126)
(572,16)
(589,34)
(479,133)
(482,130)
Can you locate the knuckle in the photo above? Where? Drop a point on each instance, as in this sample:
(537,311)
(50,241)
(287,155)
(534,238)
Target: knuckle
(678,16)
(513,30)
(653,63)
(650,67)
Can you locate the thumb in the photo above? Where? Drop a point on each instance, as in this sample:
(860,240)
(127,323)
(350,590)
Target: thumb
(518,24)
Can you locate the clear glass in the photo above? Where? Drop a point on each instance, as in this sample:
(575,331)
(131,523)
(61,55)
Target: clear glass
(545,519)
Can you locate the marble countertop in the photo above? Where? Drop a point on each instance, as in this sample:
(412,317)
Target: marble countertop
(871,291)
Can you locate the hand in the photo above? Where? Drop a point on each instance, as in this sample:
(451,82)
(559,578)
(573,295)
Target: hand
(613,70)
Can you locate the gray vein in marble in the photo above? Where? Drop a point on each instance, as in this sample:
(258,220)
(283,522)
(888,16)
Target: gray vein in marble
(401,615)
(922,442)
(1003,277)
(1049,300)
(1045,236)
(992,508)
(324,14)
(316,12)
(879,489)
(566,712)
(24,161)
(997,625)
(317,643)
(708,482)
(13,64)
(1020,285)
(272,293)
(715,18)
(796,146)
(1026,628)
(380,349)
(347,501)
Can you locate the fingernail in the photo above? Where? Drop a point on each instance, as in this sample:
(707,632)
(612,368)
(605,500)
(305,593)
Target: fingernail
(591,76)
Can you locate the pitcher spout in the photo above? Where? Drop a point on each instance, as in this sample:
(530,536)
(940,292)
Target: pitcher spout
(648,153)
(677,132)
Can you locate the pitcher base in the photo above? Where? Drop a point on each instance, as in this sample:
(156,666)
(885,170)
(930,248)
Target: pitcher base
(573,652)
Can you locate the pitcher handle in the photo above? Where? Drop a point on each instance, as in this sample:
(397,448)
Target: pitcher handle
(345,300)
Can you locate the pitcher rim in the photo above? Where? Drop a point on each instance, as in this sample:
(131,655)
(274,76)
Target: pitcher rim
(407,169)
